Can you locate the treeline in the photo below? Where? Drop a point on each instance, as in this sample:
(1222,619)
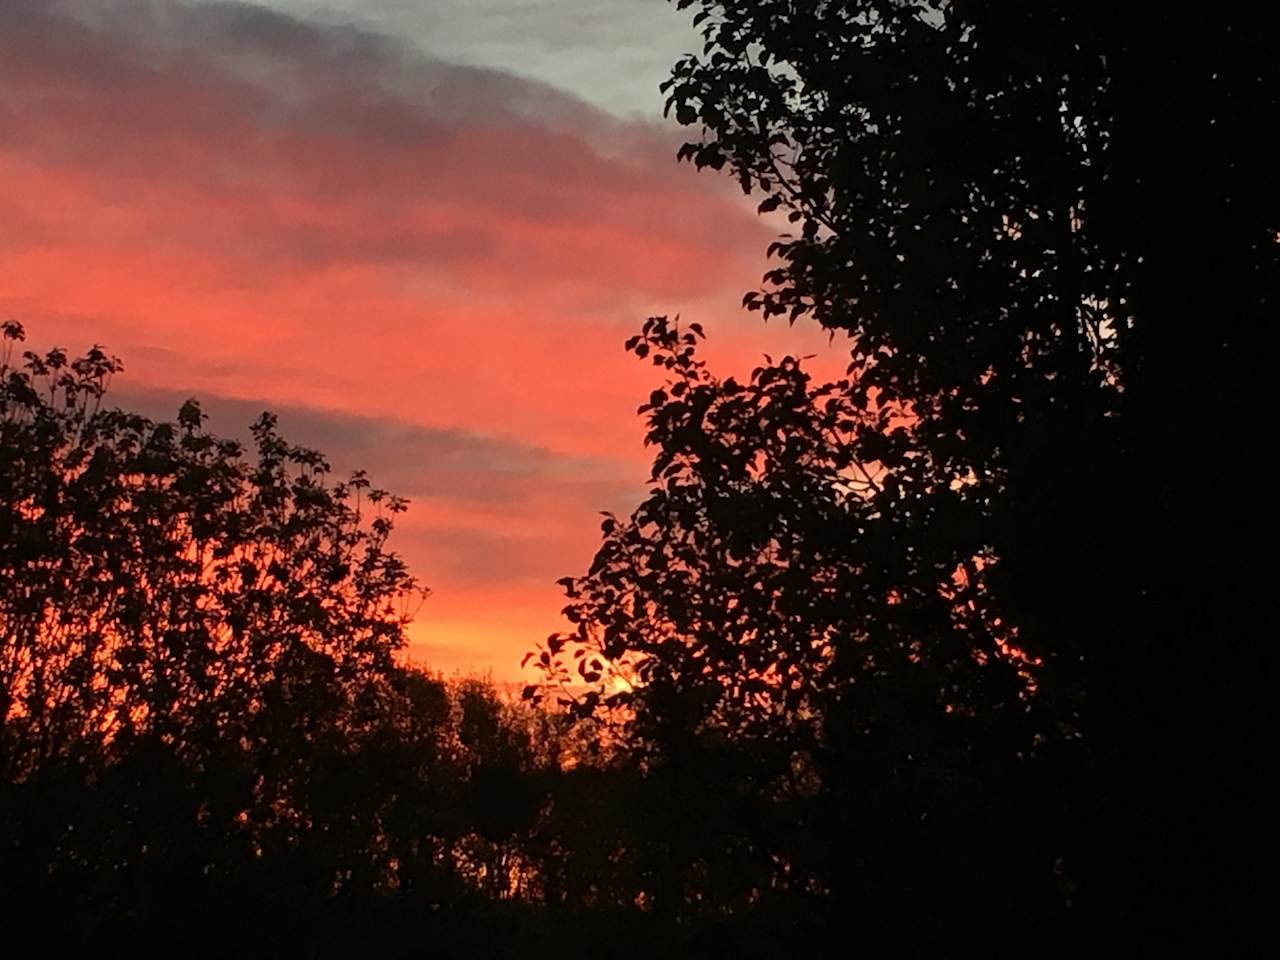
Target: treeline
(205,737)
(207,743)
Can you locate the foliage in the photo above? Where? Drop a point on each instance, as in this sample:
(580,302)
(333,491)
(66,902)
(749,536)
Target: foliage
(201,703)
(162,585)
(1049,235)
(208,742)
(777,644)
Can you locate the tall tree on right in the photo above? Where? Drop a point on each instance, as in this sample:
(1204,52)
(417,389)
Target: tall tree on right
(1050,232)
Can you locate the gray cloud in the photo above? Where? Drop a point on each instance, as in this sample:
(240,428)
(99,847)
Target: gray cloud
(409,459)
(496,483)
(613,53)
(300,59)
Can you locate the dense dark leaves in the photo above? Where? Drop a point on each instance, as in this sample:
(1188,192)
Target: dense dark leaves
(784,653)
(161,584)
(1049,233)
(765,569)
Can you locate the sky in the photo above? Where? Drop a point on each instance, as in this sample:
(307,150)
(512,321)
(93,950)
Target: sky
(417,230)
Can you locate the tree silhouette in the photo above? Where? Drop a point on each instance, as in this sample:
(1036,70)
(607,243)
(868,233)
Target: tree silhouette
(790,663)
(201,712)
(1049,233)
(178,615)
(162,585)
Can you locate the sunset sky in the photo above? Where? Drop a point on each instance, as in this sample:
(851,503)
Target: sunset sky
(418,230)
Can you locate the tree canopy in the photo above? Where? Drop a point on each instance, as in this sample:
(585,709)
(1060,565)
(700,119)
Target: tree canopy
(163,585)
(1049,235)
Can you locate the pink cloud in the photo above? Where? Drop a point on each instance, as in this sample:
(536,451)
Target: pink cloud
(246,206)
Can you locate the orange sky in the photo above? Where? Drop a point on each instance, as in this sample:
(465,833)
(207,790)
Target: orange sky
(427,270)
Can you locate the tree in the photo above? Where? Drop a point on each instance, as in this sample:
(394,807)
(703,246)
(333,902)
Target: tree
(1049,233)
(189,638)
(790,661)
(161,584)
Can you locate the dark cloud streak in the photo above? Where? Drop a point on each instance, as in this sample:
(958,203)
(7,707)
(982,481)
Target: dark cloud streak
(407,458)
